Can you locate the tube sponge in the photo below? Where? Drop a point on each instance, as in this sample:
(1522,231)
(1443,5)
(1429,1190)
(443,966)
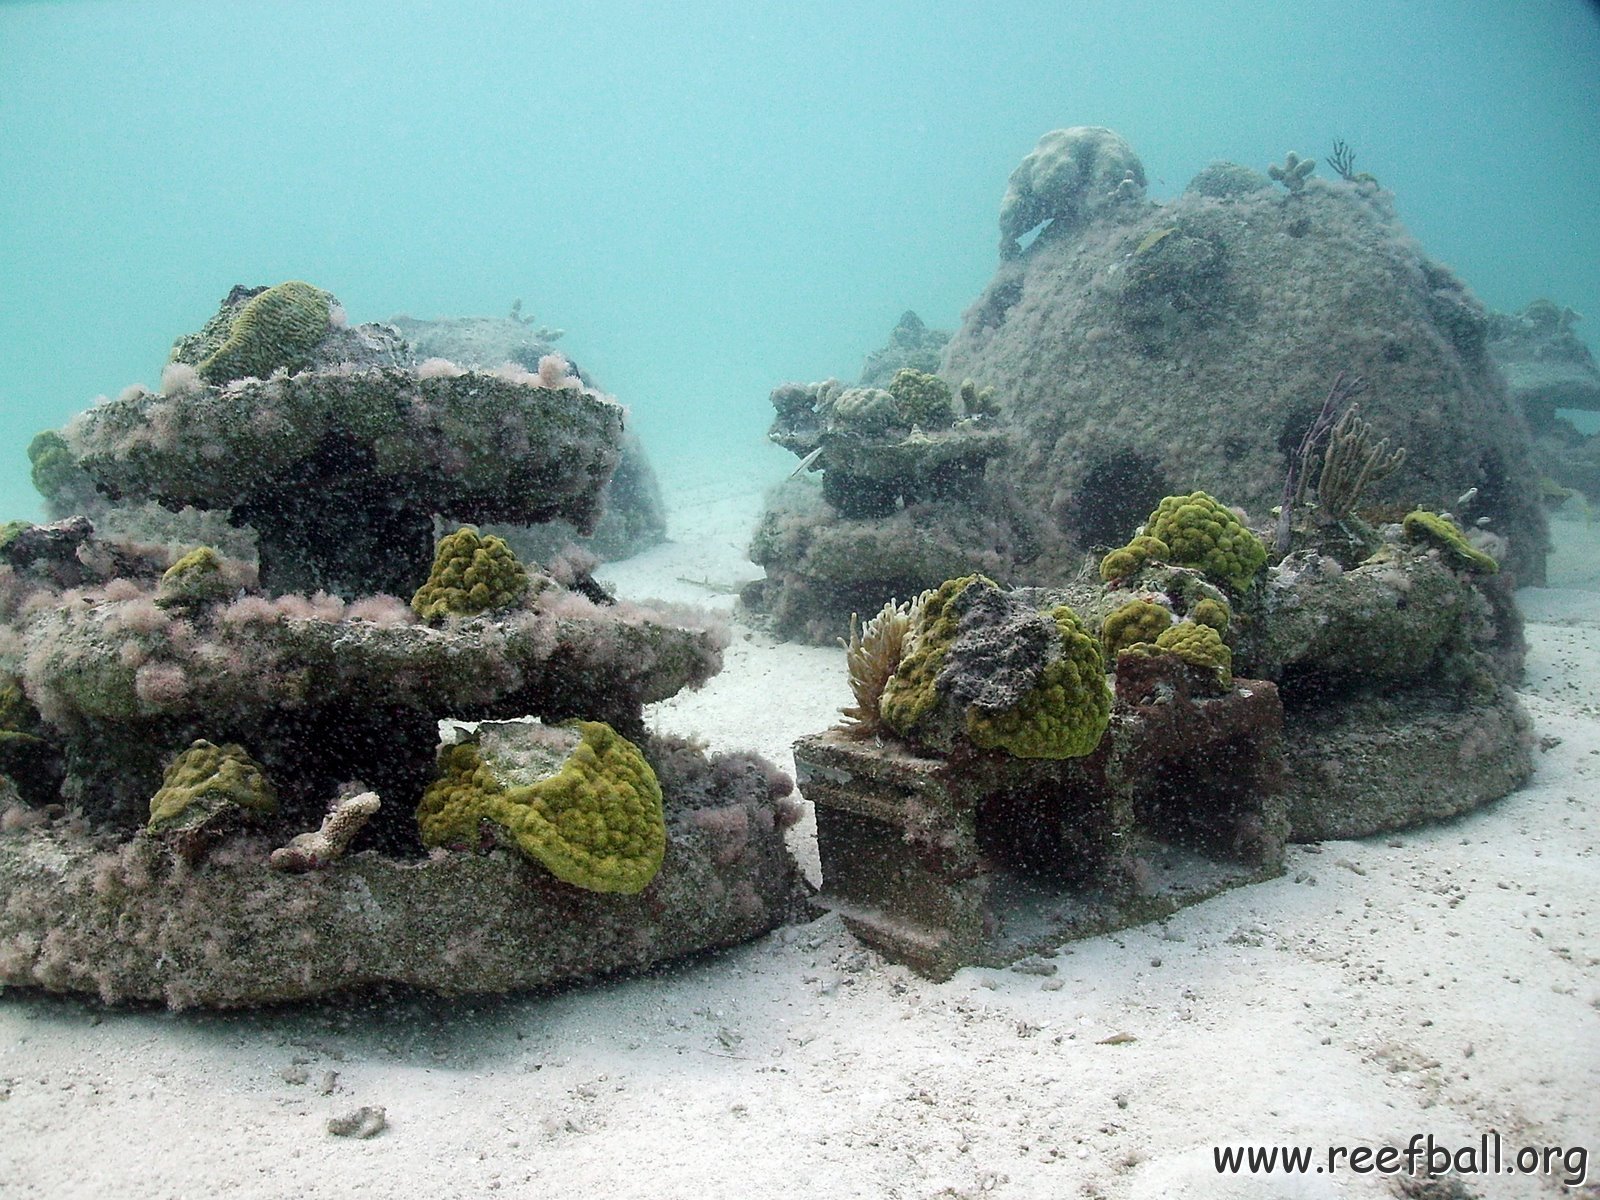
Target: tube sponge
(578,798)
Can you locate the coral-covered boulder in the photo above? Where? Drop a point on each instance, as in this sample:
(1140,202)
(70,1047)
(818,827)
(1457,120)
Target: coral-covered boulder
(1142,349)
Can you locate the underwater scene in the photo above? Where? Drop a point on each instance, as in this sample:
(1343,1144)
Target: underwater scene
(899,600)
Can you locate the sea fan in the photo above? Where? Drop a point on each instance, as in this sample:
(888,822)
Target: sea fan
(872,654)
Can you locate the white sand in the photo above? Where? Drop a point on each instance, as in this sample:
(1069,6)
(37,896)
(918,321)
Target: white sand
(1438,982)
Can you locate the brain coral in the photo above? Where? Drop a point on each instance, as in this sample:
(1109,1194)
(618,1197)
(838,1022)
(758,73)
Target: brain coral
(277,328)
(1201,533)
(578,798)
(471,574)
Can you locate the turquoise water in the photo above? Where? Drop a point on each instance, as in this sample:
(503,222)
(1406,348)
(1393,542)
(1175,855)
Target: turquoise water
(710,197)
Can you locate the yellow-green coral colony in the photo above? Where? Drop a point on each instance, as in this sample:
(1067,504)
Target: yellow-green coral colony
(1063,716)
(1424,526)
(922,399)
(1066,714)
(594,819)
(205,778)
(1129,560)
(472,573)
(277,328)
(911,694)
(194,579)
(1200,532)
(1199,646)
(1135,621)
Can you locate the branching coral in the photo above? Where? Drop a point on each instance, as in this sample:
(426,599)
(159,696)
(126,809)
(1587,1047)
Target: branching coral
(1294,172)
(320,847)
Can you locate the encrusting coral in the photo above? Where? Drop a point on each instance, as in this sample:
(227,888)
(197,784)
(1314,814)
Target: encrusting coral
(985,666)
(1440,531)
(578,798)
(195,579)
(910,693)
(207,782)
(1066,713)
(472,573)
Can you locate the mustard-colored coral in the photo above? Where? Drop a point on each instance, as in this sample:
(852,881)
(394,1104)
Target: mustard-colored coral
(922,399)
(193,580)
(592,815)
(910,694)
(1425,526)
(206,778)
(1136,621)
(1214,613)
(1066,713)
(471,574)
(277,328)
(1202,533)
(1199,646)
(1131,559)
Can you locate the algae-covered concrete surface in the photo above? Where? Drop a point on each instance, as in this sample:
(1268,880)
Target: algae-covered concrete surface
(1439,981)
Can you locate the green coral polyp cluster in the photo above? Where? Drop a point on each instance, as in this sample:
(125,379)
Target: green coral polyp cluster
(193,580)
(1067,712)
(1424,526)
(1129,560)
(206,778)
(922,399)
(472,573)
(1200,532)
(275,329)
(1199,646)
(1134,622)
(594,821)
(912,693)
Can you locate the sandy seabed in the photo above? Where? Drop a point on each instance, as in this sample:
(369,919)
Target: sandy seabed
(1444,982)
